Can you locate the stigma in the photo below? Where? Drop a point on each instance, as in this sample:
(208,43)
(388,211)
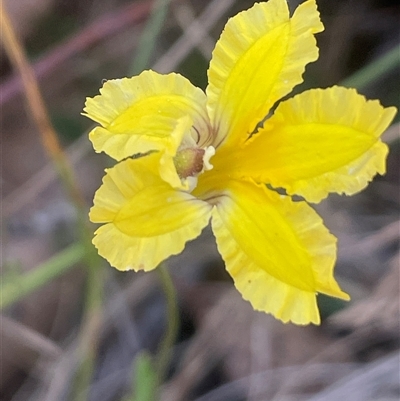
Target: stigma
(190,162)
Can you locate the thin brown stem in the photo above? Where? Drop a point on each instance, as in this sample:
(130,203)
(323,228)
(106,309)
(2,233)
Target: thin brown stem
(100,29)
(36,106)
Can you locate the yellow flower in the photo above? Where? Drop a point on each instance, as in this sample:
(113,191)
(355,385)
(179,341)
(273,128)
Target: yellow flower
(277,250)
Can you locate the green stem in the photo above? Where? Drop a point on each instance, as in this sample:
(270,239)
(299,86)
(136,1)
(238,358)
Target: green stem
(375,70)
(92,317)
(165,350)
(25,284)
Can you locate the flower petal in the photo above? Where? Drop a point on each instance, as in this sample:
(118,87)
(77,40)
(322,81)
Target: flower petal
(318,142)
(138,114)
(259,58)
(145,220)
(277,251)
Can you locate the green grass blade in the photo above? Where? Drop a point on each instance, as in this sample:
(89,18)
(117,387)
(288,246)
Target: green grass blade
(149,36)
(374,70)
(22,285)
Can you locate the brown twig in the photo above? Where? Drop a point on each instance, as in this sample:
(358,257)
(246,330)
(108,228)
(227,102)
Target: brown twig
(24,336)
(37,107)
(193,35)
(102,28)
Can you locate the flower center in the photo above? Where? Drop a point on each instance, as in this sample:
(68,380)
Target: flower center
(189,162)
(192,161)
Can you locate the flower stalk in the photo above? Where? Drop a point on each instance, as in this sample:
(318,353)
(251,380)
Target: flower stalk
(164,352)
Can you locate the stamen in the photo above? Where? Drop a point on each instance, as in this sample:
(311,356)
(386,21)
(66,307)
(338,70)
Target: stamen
(208,154)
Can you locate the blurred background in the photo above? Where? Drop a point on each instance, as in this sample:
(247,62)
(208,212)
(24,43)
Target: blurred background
(72,327)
